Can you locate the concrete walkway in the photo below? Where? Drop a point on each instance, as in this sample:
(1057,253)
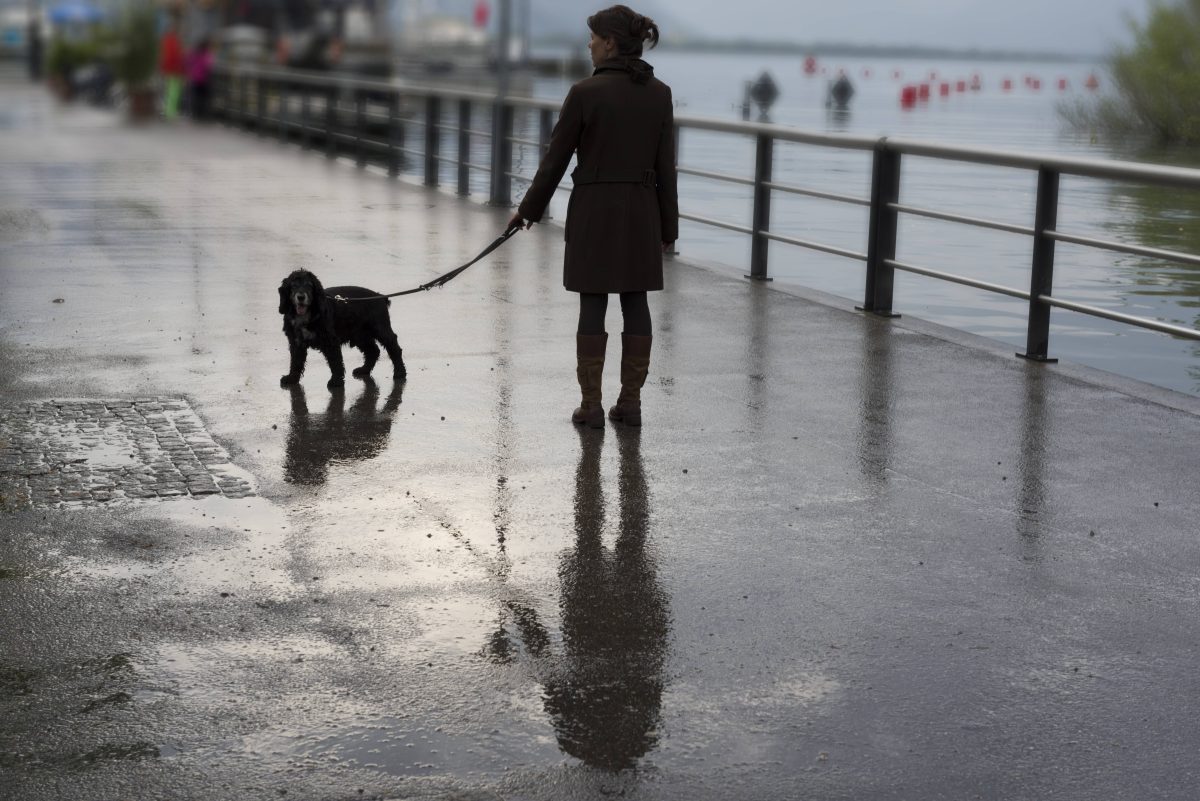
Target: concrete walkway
(846,558)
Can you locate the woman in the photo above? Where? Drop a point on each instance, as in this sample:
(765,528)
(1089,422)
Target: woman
(623,213)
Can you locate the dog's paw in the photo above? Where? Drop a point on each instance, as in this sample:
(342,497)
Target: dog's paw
(288,380)
(360,372)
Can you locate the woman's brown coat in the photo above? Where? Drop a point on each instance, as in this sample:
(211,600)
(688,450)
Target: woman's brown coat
(624,205)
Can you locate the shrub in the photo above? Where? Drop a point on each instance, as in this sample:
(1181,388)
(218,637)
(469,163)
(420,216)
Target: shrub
(1157,81)
(136,56)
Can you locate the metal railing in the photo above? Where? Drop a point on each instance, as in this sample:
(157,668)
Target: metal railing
(370,119)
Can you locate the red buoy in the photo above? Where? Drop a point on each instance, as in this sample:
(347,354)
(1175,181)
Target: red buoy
(961,86)
(1006,84)
(1036,84)
(944,90)
(1063,84)
(897,74)
(1093,82)
(923,91)
(908,97)
(810,65)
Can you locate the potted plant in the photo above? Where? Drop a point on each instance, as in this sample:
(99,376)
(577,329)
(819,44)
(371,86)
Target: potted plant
(61,61)
(136,59)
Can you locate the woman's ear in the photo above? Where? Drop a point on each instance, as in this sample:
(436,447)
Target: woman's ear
(283,298)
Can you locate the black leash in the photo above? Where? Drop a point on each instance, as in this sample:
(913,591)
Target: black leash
(441,280)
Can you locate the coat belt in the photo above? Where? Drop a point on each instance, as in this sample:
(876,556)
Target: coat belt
(646,178)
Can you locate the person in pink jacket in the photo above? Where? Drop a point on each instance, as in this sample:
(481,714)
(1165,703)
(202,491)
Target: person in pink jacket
(199,75)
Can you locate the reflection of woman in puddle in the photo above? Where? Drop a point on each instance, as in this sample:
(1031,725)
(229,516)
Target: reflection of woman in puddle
(315,441)
(604,694)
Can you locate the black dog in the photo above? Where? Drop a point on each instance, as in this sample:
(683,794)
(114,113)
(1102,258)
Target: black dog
(312,318)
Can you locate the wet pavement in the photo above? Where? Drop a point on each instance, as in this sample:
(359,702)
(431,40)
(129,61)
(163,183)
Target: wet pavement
(846,558)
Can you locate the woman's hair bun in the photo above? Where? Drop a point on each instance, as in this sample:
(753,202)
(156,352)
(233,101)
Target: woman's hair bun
(628,28)
(646,31)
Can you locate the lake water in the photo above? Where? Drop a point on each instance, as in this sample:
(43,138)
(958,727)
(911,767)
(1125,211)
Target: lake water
(1022,119)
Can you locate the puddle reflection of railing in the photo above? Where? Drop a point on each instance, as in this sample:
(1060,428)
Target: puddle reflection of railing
(1033,490)
(338,435)
(876,404)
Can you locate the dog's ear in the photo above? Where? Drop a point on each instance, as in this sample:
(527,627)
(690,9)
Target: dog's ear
(320,303)
(283,297)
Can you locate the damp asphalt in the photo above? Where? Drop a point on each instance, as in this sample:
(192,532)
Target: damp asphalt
(845,557)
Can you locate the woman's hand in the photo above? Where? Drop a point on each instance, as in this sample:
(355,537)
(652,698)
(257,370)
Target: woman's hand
(517,221)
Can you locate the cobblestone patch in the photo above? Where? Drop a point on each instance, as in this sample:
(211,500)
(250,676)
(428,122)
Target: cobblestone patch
(67,453)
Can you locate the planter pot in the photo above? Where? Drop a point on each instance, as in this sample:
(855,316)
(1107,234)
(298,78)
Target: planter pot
(60,87)
(142,104)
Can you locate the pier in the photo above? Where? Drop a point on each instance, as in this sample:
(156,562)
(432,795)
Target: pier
(848,556)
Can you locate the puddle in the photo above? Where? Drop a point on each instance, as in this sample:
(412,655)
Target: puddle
(17,224)
(217,672)
(113,752)
(401,747)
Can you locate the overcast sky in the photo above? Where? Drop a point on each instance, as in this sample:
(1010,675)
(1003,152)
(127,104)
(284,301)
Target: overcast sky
(1069,26)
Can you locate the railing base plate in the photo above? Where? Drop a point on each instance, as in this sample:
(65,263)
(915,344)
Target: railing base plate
(1042,359)
(888,314)
(758,277)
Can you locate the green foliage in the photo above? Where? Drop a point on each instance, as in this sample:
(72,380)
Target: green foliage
(1157,81)
(135,56)
(64,55)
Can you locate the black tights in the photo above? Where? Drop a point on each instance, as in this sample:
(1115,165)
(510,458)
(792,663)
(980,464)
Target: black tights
(634,310)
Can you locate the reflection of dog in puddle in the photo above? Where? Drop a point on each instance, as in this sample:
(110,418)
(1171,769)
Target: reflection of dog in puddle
(355,434)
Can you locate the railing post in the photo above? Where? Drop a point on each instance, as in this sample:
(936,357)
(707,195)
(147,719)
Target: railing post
(1037,344)
(433,139)
(464,147)
(360,124)
(674,251)
(765,153)
(283,110)
(260,122)
(502,133)
(545,129)
(395,135)
(331,147)
(226,96)
(244,105)
(305,117)
(881,234)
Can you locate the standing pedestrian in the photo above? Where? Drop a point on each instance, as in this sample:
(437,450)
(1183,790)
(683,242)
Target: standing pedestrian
(199,72)
(623,213)
(171,64)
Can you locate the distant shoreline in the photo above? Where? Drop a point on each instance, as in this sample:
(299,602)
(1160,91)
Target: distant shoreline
(847,49)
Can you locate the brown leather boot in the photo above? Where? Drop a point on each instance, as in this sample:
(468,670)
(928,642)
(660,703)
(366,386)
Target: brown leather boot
(589,367)
(635,364)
